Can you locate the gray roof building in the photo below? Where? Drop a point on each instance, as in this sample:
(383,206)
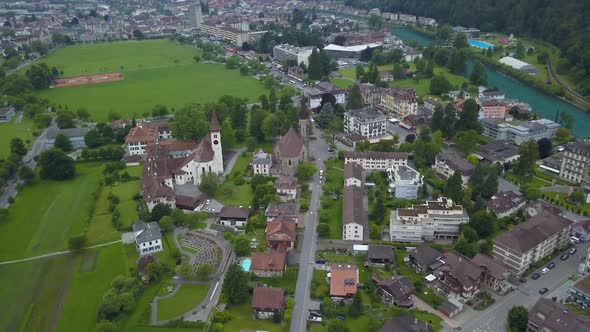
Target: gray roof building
(547,315)
(146,232)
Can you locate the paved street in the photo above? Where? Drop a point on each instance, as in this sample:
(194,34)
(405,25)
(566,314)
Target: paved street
(493,319)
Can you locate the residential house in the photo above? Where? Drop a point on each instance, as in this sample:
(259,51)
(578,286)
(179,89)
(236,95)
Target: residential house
(268,264)
(424,259)
(506,203)
(376,161)
(533,208)
(400,102)
(581,230)
(371,94)
(283,210)
(281,234)
(405,324)
(495,274)
(448,162)
(267,302)
(491,95)
(518,131)
(404,182)
(580,292)
(355,223)
(316,94)
(233,216)
(498,152)
(548,315)
(366,122)
(139,137)
(75,135)
(261,163)
(395,291)
(575,166)
(531,241)
(344,279)
(493,109)
(459,276)
(439,219)
(6,114)
(290,151)
(353,175)
(380,254)
(431,103)
(386,75)
(286,187)
(148,237)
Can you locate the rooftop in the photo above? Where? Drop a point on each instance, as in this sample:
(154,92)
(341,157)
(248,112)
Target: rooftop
(148,231)
(366,114)
(353,170)
(583,284)
(504,201)
(375,155)
(268,298)
(234,212)
(353,210)
(343,280)
(552,316)
(269,261)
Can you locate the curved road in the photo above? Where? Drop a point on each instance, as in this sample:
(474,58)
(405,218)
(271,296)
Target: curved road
(58,253)
(564,86)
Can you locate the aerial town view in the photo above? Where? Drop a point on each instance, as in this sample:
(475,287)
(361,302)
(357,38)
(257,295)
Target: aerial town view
(294,166)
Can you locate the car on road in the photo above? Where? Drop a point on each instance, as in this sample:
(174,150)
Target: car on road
(572,250)
(543,290)
(536,276)
(544,270)
(564,256)
(550,266)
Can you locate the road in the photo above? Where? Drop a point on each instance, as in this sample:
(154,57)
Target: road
(494,318)
(319,150)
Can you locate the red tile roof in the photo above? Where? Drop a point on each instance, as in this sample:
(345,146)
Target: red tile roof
(343,280)
(268,299)
(268,261)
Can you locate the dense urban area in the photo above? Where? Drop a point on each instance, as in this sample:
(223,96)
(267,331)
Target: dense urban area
(302,166)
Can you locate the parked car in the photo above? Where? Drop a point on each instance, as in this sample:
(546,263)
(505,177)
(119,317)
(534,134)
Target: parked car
(314,319)
(320,261)
(536,276)
(564,256)
(315,313)
(543,290)
(544,270)
(572,250)
(551,265)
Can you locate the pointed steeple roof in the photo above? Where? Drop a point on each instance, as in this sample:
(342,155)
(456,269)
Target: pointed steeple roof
(214,124)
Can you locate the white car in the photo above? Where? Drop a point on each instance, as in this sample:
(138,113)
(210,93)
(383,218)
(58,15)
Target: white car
(544,270)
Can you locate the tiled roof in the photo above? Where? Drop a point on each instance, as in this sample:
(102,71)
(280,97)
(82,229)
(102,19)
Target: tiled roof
(286,182)
(269,261)
(234,212)
(552,316)
(214,124)
(343,280)
(268,298)
(376,155)
(353,208)
(281,231)
(353,170)
(290,145)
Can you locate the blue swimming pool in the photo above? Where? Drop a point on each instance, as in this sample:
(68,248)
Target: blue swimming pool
(246,264)
(479,44)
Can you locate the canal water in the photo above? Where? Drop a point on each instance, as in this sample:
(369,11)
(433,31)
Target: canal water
(544,105)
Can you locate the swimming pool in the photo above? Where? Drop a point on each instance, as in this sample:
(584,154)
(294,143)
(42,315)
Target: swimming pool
(246,264)
(479,44)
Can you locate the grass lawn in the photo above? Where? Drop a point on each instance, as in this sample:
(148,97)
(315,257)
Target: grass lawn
(154,71)
(94,270)
(422,86)
(319,287)
(242,319)
(287,281)
(188,297)
(332,209)
(342,83)
(10,130)
(560,199)
(232,194)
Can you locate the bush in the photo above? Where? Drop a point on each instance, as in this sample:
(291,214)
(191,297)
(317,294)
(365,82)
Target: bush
(76,243)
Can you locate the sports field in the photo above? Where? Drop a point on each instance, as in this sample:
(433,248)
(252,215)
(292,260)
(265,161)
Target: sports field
(10,130)
(154,72)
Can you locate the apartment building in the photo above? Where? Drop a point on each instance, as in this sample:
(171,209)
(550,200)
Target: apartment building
(531,241)
(235,36)
(353,175)
(575,166)
(438,219)
(448,162)
(518,132)
(493,109)
(366,122)
(404,182)
(400,102)
(355,223)
(286,52)
(371,94)
(376,161)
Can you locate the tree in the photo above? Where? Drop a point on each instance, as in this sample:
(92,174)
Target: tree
(355,98)
(478,74)
(460,41)
(325,116)
(518,317)
(463,246)
(235,285)
(305,171)
(323,230)
(256,120)
(438,119)
(454,187)
(439,85)
(444,32)
(314,69)
(158,270)
(137,34)
(159,110)
(374,232)
(65,120)
(458,62)
(26,174)
(166,224)
(356,308)
(39,75)
(204,272)
(76,243)
(466,141)
(398,72)
(529,154)
(185,270)
(42,120)
(359,72)
(483,223)
(189,123)
(241,245)
(106,326)
(229,139)
(56,165)
(375,22)
(63,143)
(545,147)
(519,54)
(563,135)
(82,114)
(209,183)
(244,71)
(468,118)
(159,211)
(17,147)
(337,325)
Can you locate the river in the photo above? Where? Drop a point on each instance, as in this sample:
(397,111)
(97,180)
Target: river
(544,105)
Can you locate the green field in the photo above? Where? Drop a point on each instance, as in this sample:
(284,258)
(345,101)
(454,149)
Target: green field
(188,297)
(242,319)
(231,194)
(155,72)
(10,130)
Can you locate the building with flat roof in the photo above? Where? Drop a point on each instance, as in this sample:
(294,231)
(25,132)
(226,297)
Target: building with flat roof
(438,219)
(404,182)
(75,135)
(498,152)
(518,132)
(294,54)
(375,160)
(580,292)
(351,52)
(366,122)
(233,35)
(531,241)
(575,166)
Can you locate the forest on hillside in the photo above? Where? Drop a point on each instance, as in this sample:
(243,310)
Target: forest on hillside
(561,23)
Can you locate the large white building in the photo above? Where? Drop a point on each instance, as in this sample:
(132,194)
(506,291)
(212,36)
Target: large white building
(518,65)
(195,15)
(519,132)
(148,237)
(575,166)
(235,36)
(404,182)
(286,52)
(376,161)
(531,241)
(366,122)
(438,219)
(316,94)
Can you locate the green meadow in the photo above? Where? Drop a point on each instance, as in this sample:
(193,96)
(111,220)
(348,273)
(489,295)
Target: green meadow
(10,130)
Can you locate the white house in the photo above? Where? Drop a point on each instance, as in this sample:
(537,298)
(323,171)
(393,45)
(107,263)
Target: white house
(353,175)
(261,163)
(286,188)
(148,237)
(234,216)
